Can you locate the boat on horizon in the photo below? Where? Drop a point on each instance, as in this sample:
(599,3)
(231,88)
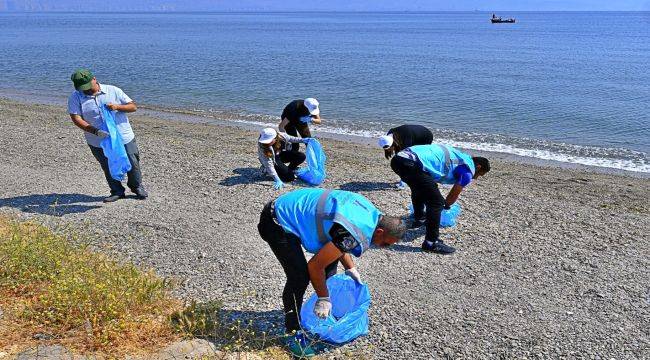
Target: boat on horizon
(499,20)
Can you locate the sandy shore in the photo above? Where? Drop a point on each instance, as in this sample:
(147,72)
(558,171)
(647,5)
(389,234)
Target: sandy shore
(551,262)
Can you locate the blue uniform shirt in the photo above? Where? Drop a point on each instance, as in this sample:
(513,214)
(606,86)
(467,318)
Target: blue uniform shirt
(463,175)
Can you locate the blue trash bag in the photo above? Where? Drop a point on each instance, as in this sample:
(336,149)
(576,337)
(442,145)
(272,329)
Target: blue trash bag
(447,217)
(118,161)
(314,173)
(349,317)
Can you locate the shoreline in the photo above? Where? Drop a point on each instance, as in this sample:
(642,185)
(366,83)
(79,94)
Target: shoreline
(550,262)
(253,122)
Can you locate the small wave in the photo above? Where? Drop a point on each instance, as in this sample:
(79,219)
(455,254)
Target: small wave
(566,153)
(621,164)
(614,158)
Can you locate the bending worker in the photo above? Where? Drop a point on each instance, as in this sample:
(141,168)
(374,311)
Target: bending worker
(422,167)
(401,137)
(332,224)
(297,116)
(273,156)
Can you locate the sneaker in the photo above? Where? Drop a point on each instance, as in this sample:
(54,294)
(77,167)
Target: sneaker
(113,198)
(141,193)
(300,346)
(438,247)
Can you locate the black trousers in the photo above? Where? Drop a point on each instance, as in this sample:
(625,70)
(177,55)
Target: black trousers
(424,193)
(293,158)
(295,129)
(288,250)
(134,175)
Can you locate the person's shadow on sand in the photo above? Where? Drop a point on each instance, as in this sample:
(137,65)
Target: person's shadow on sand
(250,330)
(252,175)
(255,330)
(404,248)
(52,204)
(247,175)
(366,186)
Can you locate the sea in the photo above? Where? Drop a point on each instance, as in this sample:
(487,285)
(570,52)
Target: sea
(572,87)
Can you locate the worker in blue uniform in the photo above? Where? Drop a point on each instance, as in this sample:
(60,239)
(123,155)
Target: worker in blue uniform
(422,168)
(331,224)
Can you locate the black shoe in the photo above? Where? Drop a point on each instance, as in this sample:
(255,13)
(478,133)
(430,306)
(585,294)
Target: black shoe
(141,194)
(438,247)
(113,198)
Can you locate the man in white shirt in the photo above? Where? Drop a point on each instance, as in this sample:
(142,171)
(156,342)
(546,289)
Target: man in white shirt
(84,107)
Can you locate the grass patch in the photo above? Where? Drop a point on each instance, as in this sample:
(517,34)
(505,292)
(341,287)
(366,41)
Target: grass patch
(51,289)
(55,290)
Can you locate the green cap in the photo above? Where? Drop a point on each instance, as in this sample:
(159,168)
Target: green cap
(82,79)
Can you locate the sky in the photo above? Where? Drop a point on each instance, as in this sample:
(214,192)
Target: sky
(324,5)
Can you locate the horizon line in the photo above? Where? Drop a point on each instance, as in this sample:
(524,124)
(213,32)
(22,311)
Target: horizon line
(302,11)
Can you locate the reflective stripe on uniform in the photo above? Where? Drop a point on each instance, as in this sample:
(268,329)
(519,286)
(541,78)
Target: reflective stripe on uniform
(449,163)
(322,216)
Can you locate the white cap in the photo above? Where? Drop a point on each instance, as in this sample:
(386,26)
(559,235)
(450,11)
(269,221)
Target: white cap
(267,135)
(312,106)
(385,141)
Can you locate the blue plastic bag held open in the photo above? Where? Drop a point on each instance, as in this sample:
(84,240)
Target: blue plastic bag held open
(113,147)
(314,173)
(447,217)
(349,317)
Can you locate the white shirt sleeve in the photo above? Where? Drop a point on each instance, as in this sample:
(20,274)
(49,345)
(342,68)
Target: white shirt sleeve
(74,105)
(122,97)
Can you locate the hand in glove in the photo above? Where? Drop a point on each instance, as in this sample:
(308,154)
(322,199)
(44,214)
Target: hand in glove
(354,274)
(278,184)
(102,134)
(306,140)
(323,307)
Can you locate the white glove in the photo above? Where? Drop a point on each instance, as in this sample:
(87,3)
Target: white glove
(102,134)
(354,274)
(278,184)
(323,307)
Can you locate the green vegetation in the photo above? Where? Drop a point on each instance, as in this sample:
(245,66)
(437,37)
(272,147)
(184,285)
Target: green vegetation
(77,295)
(55,290)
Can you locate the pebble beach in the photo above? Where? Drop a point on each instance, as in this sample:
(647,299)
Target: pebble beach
(551,262)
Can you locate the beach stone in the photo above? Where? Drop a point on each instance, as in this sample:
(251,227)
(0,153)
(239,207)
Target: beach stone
(42,336)
(188,349)
(530,242)
(46,352)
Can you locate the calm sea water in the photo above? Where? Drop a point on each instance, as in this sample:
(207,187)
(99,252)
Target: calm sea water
(572,87)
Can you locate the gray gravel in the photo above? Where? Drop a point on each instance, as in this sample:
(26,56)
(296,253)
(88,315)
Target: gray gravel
(551,262)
